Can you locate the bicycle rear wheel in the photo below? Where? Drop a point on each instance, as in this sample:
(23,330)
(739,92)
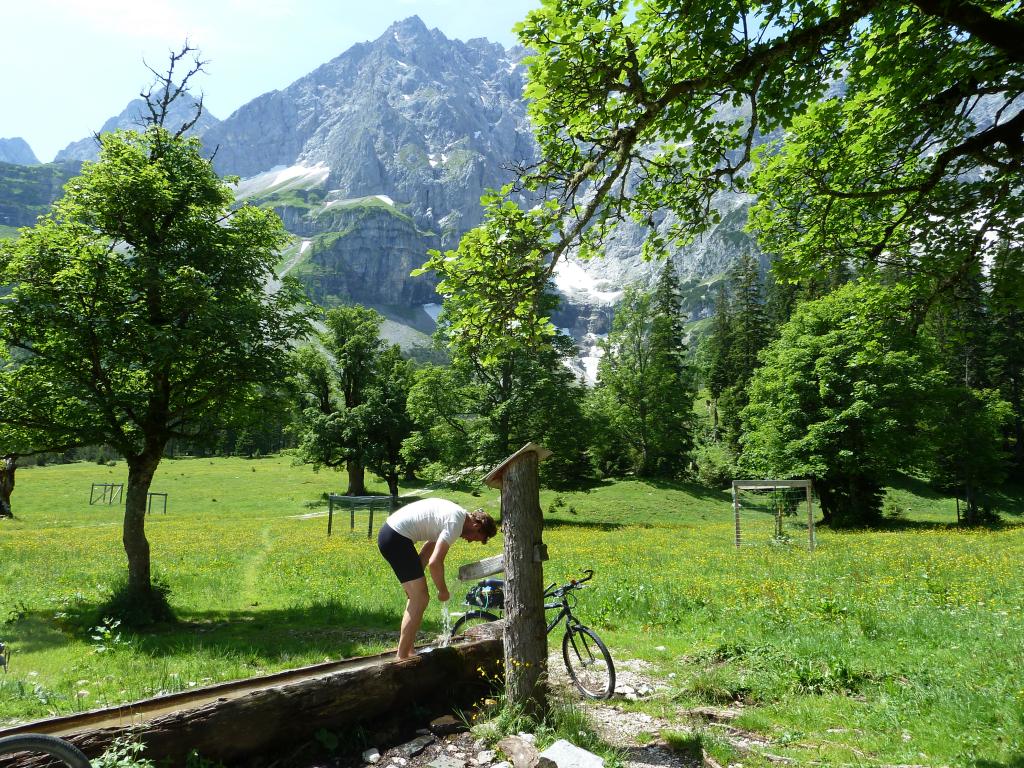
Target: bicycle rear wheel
(41,744)
(468,620)
(588,662)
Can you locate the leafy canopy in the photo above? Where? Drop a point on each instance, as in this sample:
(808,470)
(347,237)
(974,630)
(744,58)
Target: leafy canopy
(647,105)
(839,397)
(493,283)
(137,309)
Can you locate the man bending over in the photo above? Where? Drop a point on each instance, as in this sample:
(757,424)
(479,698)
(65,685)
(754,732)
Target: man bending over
(438,523)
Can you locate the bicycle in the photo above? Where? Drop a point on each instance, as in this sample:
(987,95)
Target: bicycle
(41,744)
(586,657)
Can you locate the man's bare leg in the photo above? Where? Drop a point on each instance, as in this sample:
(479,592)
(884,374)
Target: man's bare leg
(415,607)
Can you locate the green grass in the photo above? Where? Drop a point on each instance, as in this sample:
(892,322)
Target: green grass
(8,233)
(901,645)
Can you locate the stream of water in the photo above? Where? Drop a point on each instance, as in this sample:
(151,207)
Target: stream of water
(446,626)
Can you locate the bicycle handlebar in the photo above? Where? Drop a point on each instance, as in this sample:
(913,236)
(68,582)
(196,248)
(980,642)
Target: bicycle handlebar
(573,584)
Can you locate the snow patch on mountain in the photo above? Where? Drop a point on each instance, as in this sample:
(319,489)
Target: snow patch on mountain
(575,282)
(433,310)
(281,178)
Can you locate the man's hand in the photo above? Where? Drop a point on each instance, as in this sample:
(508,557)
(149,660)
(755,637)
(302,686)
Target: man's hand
(436,567)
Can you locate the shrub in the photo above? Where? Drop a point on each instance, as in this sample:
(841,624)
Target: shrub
(135,609)
(715,465)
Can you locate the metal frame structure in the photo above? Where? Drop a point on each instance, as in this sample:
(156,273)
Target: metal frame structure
(109,493)
(371,503)
(771,485)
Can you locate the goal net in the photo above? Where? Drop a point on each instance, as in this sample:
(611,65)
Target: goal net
(773,512)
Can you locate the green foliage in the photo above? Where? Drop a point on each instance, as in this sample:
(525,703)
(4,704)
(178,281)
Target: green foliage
(640,107)
(919,619)
(565,719)
(715,465)
(125,752)
(469,415)
(644,389)
(839,398)
(686,743)
(28,191)
(444,438)
(493,284)
(967,442)
(1005,361)
(136,608)
(194,760)
(352,402)
(507,385)
(716,347)
(105,636)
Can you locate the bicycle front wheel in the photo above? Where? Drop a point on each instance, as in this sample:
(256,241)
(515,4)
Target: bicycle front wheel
(470,619)
(41,744)
(588,662)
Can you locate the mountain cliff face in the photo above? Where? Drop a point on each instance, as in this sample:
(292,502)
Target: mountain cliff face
(17,151)
(131,118)
(380,155)
(28,191)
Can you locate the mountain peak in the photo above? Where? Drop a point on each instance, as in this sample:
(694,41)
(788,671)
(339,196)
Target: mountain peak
(17,151)
(413,25)
(411,32)
(134,117)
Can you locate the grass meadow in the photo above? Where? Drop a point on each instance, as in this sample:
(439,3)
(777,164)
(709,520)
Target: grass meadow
(897,646)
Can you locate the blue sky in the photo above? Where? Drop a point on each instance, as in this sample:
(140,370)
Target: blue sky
(68,65)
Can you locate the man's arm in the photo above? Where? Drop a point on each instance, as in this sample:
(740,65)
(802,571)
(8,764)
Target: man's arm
(425,552)
(436,565)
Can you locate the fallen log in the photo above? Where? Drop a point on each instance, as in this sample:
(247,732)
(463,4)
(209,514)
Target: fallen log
(235,722)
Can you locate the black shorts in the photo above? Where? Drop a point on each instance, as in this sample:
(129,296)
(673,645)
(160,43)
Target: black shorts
(400,553)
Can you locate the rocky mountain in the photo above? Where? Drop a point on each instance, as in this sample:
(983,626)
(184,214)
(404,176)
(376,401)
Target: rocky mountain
(134,116)
(379,155)
(382,153)
(28,191)
(18,151)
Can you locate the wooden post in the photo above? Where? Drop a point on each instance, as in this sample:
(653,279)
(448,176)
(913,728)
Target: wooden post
(526,647)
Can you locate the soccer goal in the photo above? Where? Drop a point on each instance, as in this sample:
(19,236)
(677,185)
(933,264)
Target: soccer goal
(769,510)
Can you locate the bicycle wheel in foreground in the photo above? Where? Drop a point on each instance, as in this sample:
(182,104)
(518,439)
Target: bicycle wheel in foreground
(470,619)
(41,744)
(588,662)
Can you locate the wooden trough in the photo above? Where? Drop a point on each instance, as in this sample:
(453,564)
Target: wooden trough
(246,721)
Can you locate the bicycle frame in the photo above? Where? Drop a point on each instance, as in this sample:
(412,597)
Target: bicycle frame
(564,613)
(562,593)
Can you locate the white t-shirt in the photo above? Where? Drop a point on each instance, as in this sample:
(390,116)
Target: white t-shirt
(429,520)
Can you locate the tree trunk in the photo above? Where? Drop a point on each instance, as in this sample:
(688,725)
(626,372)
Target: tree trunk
(247,722)
(1018,429)
(392,479)
(526,650)
(356,478)
(140,477)
(7,466)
